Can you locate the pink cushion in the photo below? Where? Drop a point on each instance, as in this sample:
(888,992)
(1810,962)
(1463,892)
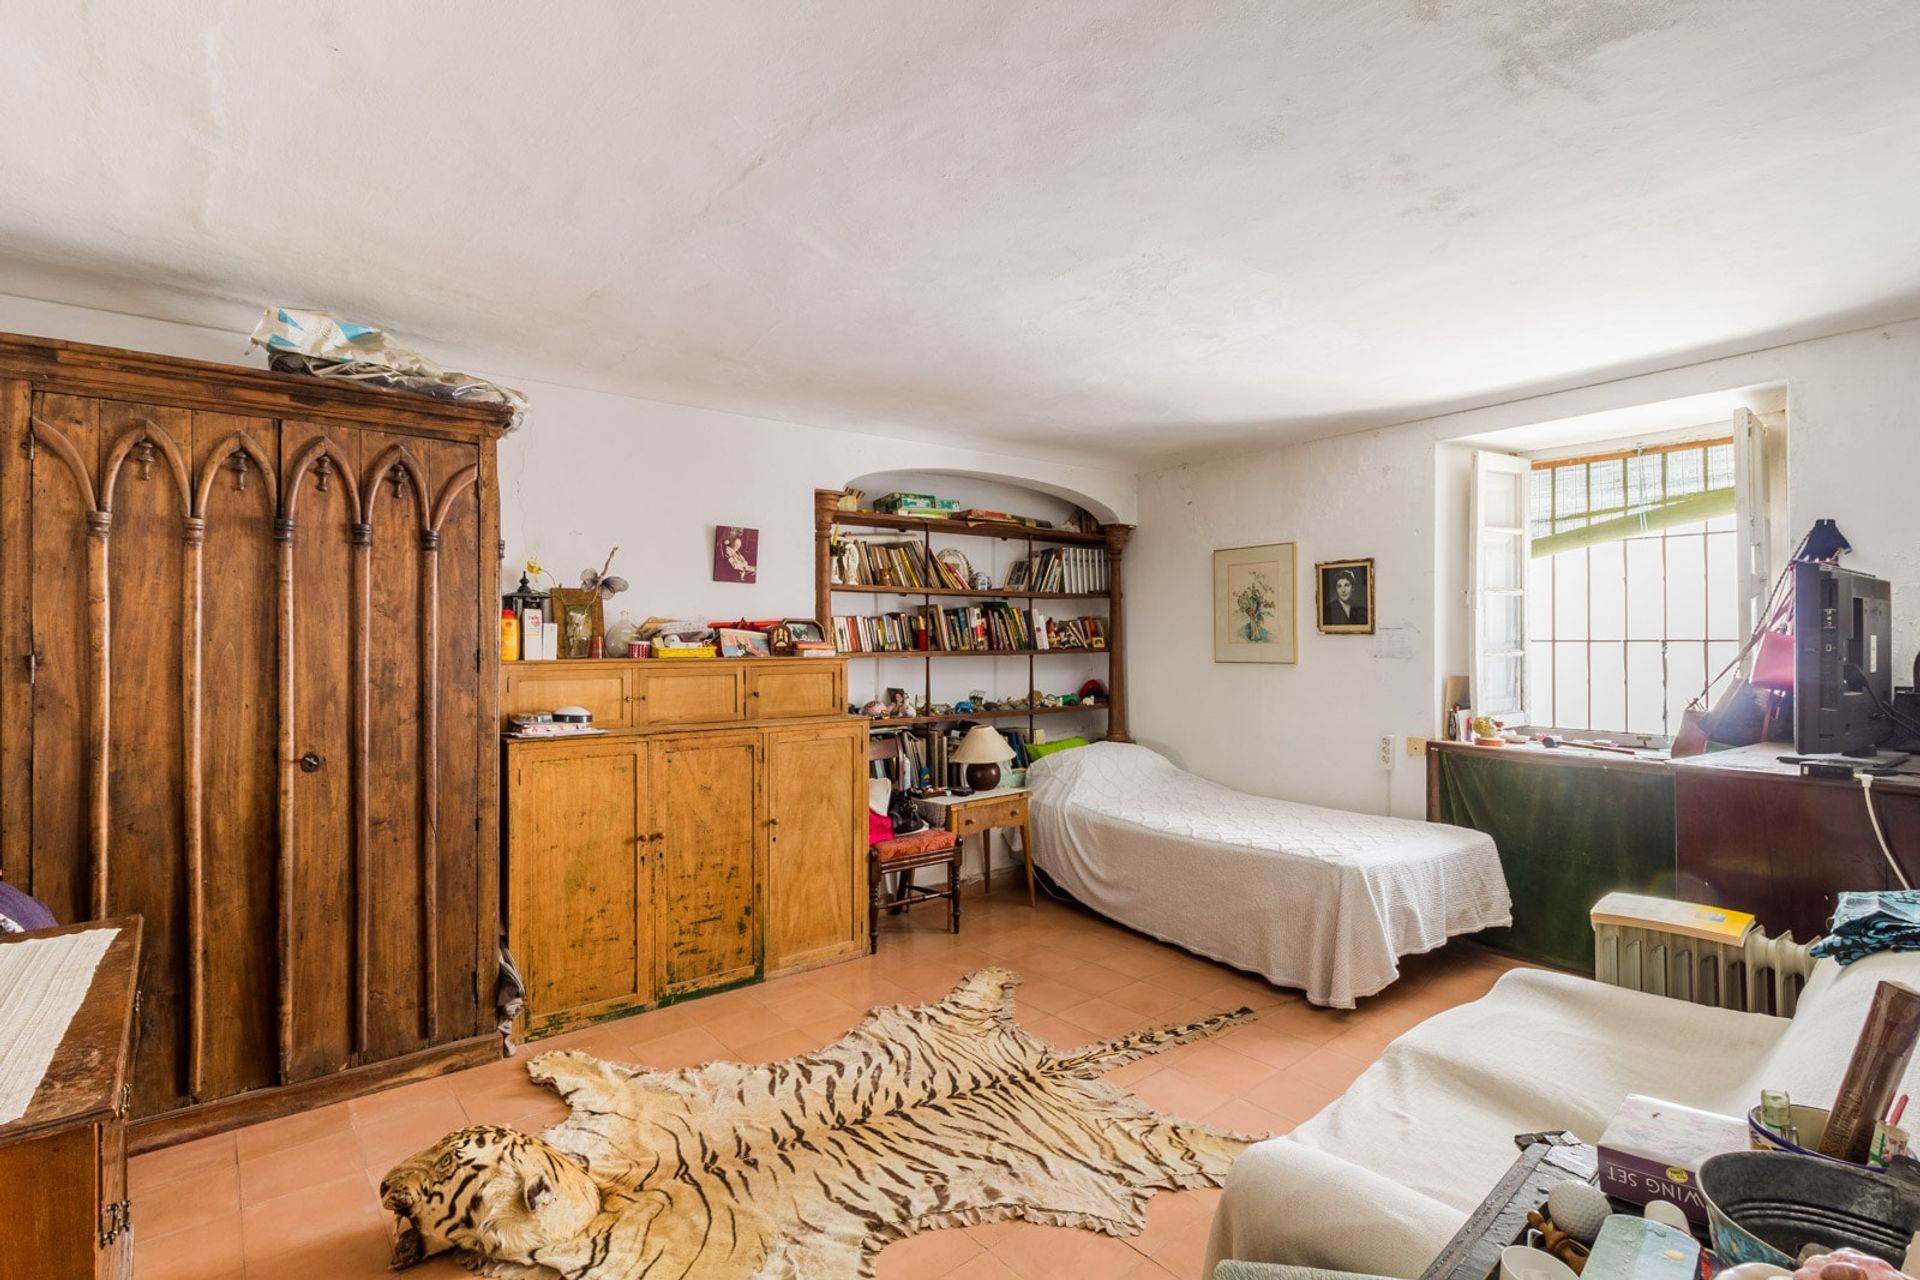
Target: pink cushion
(918,842)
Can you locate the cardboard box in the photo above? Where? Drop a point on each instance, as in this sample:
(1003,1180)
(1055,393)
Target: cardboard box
(1653,1150)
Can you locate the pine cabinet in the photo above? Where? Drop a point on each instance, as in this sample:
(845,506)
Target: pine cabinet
(585,807)
(250,693)
(711,857)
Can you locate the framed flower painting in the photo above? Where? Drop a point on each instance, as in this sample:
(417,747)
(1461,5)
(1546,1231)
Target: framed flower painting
(1255,618)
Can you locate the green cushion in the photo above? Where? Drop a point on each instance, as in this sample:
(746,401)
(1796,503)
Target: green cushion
(1037,749)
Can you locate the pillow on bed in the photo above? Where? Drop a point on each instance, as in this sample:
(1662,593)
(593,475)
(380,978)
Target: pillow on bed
(1036,750)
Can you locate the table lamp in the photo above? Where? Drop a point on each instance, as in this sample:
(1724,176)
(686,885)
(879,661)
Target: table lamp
(983,751)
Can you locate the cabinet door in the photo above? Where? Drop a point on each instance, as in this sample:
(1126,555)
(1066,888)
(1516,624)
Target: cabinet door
(152,791)
(603,688)
(579,901)
(816,845)
(689,691)
(785,691)
(707,824)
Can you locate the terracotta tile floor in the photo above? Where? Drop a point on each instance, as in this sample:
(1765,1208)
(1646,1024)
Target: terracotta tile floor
(296,1198)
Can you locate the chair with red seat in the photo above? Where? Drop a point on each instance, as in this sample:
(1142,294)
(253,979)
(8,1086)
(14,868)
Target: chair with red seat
(901,856)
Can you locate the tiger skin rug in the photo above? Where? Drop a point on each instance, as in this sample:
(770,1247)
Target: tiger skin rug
(923,1116)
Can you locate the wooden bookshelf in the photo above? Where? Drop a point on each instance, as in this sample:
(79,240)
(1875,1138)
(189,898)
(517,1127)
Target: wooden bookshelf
(1112,538)
(970,653)
(890,722)
(969,528)
(994,593)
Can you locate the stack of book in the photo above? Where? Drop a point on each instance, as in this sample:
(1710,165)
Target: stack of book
(892,562)
(1060,569)
(915,504)
(541,724)
(990,627)
(1074,633)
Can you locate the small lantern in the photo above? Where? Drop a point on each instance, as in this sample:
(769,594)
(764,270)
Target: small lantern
(525,599)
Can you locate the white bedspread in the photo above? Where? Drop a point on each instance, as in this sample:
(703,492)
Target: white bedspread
(1320,899)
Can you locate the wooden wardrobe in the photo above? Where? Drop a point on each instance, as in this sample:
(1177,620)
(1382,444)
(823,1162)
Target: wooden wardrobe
(250,692)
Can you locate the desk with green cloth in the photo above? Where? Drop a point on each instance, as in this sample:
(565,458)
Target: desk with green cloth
(1572,826)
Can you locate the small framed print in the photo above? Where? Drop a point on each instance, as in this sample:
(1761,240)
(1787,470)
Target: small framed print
(1254,617)
(577,612)
(1343,597)
(736,553)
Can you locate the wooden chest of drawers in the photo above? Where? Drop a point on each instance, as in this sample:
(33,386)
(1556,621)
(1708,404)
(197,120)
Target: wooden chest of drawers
(643,693)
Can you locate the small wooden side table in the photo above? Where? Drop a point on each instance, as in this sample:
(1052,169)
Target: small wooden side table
(980,813)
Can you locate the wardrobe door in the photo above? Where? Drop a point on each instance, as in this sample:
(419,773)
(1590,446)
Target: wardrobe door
(707,820)
(152,783)
(322,606)
(461,610)
(816,844)
(233,730)
(392,913)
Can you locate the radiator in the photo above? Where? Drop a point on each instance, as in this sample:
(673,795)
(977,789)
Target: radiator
(1696,953)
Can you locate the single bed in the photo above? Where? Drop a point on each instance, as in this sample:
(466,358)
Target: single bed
(1320,899)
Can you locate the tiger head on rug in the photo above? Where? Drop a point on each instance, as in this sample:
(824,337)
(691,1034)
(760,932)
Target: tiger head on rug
(493,1192)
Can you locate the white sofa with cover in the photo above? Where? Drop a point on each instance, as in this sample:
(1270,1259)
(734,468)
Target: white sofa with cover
(1380,1179)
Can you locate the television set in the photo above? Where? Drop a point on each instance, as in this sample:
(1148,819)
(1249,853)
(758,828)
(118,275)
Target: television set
(1843,668)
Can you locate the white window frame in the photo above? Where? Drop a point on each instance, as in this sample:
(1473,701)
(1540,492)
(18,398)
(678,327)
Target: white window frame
(1751,504)
(1490,468)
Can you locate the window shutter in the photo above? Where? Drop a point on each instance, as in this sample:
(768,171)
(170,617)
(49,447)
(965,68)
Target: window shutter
(1752,526)
(1498,587)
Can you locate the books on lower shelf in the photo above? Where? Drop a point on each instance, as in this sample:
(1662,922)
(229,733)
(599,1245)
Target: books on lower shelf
(1060,569)
(926,751)
(991,627)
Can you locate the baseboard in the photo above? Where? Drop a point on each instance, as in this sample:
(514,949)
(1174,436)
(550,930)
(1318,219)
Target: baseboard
(207,1118)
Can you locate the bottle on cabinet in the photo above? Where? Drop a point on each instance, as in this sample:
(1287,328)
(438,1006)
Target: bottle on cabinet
(509,636)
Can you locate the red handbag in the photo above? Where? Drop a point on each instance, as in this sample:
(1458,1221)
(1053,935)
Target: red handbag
(1773,657)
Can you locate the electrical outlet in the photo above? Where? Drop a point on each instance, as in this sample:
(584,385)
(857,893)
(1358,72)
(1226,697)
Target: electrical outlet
(1386,751)
(1416,746)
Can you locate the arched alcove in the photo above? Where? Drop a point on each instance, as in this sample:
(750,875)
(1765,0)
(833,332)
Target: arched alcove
(994,491)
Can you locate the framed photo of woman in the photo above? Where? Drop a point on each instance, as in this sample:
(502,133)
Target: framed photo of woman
(1343,597)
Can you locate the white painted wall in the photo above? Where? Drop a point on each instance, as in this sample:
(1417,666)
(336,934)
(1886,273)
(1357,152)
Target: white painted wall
(1399,495)
(590,470)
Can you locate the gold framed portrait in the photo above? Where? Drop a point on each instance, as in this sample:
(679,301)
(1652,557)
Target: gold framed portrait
(1343,597)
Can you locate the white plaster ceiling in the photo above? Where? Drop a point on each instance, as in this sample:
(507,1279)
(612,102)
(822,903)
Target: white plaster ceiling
(1127,226)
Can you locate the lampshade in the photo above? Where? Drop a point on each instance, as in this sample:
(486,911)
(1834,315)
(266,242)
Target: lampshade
(982,745)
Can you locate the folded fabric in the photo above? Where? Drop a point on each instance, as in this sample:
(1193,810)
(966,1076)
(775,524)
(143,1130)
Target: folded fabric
(1867,923)
(20,913)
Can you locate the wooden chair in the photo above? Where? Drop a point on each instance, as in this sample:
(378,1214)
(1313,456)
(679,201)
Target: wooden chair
(902,856)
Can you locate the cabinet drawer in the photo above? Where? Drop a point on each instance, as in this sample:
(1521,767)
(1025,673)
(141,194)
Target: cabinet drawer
(695,692)
(606,691)
(967,819)
(782,693)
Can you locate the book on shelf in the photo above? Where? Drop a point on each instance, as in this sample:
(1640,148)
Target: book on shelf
(926,752)
(1077,570)
(989,627)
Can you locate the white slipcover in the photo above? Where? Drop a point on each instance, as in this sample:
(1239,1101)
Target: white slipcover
(1321,899)
(1381,1178)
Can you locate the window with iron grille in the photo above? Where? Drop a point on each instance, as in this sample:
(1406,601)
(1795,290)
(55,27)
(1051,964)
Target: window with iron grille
(1633,585)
